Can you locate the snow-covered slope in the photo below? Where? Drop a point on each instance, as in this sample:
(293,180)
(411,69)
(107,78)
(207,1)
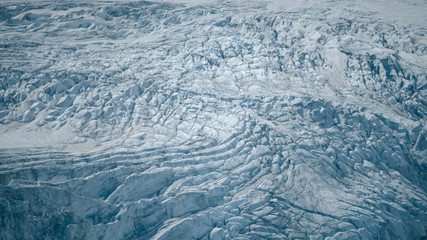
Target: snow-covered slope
(213,120)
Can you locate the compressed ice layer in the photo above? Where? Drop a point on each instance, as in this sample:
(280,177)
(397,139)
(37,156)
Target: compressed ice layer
(150,120)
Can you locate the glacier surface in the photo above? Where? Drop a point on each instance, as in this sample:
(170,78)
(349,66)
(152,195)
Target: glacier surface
(213,119)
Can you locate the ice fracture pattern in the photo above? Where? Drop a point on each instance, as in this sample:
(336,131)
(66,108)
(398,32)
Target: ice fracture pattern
(213,120)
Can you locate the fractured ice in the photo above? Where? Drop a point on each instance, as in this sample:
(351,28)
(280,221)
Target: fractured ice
(212,120)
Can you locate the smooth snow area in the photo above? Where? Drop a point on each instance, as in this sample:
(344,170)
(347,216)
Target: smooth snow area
(213,119)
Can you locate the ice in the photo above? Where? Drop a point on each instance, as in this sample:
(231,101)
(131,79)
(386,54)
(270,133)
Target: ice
(28,116)
(37,107)
(65,101)
(213,120)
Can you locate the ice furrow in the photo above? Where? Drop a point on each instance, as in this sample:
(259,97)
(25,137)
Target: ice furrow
(213,120)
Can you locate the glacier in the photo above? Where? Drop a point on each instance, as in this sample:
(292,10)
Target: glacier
(261,119)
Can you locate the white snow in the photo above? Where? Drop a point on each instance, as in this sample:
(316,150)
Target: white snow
(185,119)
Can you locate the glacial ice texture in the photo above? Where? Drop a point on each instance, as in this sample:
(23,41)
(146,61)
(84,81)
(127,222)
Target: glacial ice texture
(213,120)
